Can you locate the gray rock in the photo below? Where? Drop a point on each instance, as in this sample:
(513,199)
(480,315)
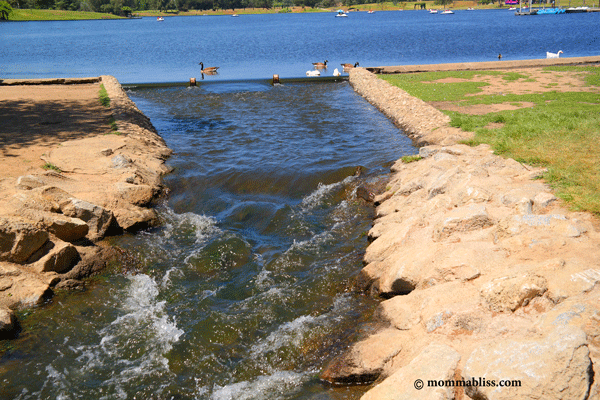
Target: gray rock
(121,161)
(98,219)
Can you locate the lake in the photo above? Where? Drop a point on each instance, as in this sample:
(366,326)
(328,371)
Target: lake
(246,289)
(258,46)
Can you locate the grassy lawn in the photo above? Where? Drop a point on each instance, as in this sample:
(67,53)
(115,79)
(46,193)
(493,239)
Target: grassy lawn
(53,15)
(561,131)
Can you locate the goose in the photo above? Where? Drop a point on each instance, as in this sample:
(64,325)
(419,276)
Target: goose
(207,70)
(319,65)
(348,65)
(499,56)
(553,55)
(336,72)
(313,73)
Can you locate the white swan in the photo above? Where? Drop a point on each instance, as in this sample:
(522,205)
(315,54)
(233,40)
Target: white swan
(313,73)
(553,55)
(336,72)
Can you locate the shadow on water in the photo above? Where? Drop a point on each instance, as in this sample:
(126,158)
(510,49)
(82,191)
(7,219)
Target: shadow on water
(245,291)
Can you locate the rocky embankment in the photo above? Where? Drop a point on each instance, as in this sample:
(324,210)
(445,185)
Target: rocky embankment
(51,221)
(485,276)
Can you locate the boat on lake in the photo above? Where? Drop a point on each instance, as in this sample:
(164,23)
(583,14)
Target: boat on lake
(341,13)
(447,12)
(432,11)
(160,19)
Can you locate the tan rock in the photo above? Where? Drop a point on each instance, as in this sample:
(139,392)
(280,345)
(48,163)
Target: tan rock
(61,258)
(510,293)
(461,219)
(19,240)
(436,363)
(556,366)
(8,323)
(364,361)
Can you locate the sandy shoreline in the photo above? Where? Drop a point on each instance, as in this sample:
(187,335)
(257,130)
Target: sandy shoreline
(97,181)
(485,275)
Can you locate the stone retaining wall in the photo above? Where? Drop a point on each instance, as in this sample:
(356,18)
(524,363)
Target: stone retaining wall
(485,276)
(53,221)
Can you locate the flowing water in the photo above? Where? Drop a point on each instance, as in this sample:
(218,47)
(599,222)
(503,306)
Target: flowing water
(244,292)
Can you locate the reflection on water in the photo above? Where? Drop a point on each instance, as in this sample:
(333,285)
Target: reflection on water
(244,292)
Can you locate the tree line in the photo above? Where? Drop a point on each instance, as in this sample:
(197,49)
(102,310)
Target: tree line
(126,7)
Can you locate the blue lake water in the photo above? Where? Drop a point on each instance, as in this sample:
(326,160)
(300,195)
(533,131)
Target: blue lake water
(258,46)
(245,291)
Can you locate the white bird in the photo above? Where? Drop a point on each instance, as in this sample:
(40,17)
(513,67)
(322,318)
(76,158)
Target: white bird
(313,73)
(336,72)
(553,55)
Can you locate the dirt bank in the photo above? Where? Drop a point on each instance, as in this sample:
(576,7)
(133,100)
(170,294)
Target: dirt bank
(486,276)
(72,171)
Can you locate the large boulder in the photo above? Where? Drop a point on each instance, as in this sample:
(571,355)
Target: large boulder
(423,378)
(97,218)
(554,367)
(364,361)
(19,240)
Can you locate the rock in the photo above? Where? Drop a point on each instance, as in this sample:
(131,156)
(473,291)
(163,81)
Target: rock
(61,258)
(364,193)
(551,368)
(121,161)
(510,293)
(463,219)
(28,182)
(364,361)
(543,200)
(106,152)
(138,195)
(98,219)
(19,240)
(8,323)
(423,378)
(71,284)
(66,228)
(134,218)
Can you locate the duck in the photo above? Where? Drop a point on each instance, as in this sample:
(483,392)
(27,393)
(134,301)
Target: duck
(207,70)
(348,65)
(313,73)
(319,65)
(553,55)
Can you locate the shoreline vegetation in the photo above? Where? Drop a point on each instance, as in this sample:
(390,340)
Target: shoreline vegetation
(23,14)
(554,129)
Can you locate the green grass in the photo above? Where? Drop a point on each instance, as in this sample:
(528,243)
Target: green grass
(561,131)
(54,15)
(50,166)
(103,96)
(409,159)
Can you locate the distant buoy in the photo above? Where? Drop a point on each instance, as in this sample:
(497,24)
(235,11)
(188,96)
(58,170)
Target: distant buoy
(275,79)
(192,81)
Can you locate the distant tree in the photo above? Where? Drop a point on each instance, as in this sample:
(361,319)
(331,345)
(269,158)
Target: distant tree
(5,10)
(126,10)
